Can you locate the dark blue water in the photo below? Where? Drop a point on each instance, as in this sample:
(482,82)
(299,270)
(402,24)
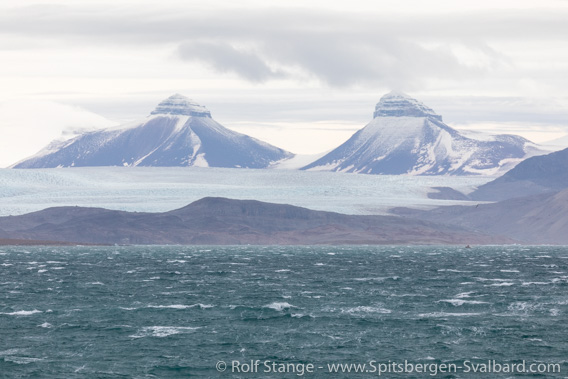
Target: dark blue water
(160,312)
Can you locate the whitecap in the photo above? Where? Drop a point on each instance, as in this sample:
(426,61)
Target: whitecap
(41,271)
(182,306)
(279,306)
(46,325)
(300,315)
(451,270)
(503,284)
(523,307)
(22,360)
(464,294)
(460,302)
(376,279)
(283,270)
(446,314)
(22,313)
(366,309)
(163,331)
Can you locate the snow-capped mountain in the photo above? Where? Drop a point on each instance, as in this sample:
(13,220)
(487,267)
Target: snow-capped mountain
(407,137)
(179,132)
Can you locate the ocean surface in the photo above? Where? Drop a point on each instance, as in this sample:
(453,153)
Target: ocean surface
(210,312)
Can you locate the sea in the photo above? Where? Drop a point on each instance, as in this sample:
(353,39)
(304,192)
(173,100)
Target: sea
(284,312)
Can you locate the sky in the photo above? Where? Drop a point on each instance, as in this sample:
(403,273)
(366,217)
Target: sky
(303,75)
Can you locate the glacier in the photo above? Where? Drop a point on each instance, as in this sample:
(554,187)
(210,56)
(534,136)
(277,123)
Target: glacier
(159,189)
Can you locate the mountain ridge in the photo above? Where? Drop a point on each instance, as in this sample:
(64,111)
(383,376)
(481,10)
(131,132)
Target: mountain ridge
(222,221)
(407,137)
(178,132)
(535,175)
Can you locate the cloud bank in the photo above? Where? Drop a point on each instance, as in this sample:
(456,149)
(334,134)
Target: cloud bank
(339,49)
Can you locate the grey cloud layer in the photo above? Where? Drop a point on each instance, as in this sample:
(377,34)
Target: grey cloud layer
(338,49)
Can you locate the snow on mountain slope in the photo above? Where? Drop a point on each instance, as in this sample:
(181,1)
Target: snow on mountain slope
(179,132)
(407,137)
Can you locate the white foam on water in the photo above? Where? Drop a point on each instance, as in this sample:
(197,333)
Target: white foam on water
(502,284)
(366,309)
(446,314)
(163,331)
(464,294)
(279,306)
(181,306)
(460,302)
(22,313)
(523,308)
(452,270)
(22,360)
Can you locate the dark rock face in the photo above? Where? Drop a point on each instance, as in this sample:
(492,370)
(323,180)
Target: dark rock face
(180,105)
(225,221)
(179,132)
(397,104)
(447,193)
(536,219)
(546,173)
(407,137)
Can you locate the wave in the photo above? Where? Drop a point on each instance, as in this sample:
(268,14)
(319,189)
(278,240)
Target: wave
(182,306)
(279,306)
(22,313)
(163,331)
(459,302)
(366,309)
(446,314)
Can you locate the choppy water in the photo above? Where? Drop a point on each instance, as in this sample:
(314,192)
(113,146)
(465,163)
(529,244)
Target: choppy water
(176,311)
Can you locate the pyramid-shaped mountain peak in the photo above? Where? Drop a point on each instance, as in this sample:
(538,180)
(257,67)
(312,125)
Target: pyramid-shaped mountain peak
(180,133)
(181,105)
(398,104)
(407,137)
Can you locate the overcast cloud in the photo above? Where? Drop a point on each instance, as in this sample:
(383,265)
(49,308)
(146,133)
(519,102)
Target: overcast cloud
(276,63)
(339,48)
